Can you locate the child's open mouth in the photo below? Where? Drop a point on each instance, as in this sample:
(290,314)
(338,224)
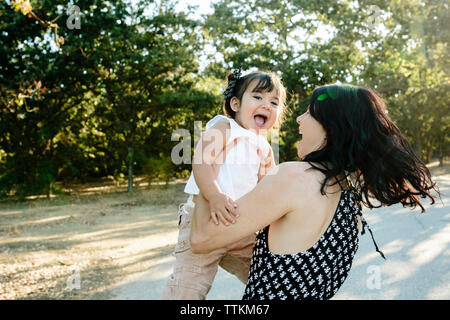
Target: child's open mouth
(260,120)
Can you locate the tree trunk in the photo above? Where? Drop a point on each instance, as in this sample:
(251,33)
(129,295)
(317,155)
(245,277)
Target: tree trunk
(429,154)
(441,155)
(130,168)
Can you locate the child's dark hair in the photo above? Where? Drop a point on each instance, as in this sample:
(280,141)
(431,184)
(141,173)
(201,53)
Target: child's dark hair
(364,143)
(267,81)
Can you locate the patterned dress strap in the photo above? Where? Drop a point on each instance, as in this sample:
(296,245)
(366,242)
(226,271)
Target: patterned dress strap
(363,231)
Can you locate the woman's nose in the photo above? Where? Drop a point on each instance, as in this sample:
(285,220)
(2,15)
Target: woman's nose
(298,119)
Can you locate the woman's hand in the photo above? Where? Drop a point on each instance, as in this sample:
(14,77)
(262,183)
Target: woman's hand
(223,208)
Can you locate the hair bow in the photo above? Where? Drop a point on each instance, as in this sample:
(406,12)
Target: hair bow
(232,79)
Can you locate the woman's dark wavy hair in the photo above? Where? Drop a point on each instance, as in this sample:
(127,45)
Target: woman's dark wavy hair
(365,145)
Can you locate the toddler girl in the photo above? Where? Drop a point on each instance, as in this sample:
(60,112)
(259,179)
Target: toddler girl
(229,160)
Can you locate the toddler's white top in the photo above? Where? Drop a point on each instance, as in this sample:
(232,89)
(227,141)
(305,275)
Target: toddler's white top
(239,172)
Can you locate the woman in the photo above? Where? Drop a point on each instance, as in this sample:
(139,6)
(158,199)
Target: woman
(308,213)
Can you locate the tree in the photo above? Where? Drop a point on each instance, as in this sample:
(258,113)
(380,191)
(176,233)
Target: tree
(98,100)
(364,43)
(409,67)
(283,36)
(39,94)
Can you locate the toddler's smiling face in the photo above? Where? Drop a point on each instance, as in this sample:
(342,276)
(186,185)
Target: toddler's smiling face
(258,110)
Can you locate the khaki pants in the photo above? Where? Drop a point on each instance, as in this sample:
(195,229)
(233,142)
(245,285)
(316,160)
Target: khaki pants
(194,273)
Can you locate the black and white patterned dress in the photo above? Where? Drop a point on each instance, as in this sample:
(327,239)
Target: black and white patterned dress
(316,273)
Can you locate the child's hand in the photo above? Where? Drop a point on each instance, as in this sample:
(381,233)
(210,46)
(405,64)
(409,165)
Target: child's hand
(223,208)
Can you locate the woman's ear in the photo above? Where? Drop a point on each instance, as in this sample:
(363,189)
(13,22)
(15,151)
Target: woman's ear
(235,104)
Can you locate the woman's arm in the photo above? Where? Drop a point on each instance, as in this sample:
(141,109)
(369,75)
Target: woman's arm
(270,200)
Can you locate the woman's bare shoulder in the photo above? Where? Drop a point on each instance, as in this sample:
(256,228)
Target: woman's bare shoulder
(293,166)
(298,169)
(294,174)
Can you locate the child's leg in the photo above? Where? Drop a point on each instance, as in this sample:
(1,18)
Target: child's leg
(193,273)
(237,260)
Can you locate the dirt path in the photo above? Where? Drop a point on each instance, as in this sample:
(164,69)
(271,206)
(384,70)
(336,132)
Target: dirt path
(76,247)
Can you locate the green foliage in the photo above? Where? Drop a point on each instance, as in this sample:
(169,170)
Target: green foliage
(398,47)
(123,80)
(73,102)
(159,169)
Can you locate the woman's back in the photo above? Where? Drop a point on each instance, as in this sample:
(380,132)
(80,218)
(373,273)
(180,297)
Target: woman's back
(312,212)
(312,265)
